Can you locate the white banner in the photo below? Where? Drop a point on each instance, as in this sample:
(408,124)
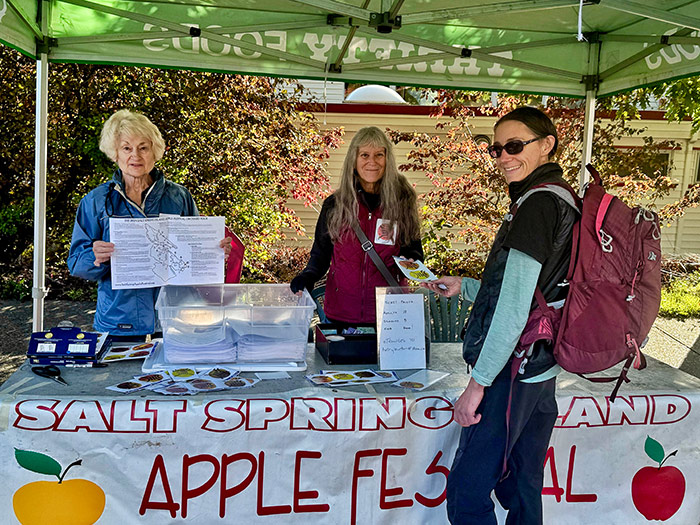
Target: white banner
(286,458)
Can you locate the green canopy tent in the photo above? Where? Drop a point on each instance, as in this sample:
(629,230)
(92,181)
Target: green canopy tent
(579,48)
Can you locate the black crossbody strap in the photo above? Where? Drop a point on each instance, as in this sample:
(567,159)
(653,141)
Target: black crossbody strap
(368,247)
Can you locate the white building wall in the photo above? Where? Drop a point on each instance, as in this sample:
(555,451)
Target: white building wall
(682,236)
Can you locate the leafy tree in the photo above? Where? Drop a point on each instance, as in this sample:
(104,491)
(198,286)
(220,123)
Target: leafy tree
(470,197)
(16,167)
(240,144)
(680,100)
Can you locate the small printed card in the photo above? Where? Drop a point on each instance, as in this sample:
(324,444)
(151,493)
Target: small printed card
(421,379)
(126,351)
(140,382)
(211,380)
(333,378)
(415,270)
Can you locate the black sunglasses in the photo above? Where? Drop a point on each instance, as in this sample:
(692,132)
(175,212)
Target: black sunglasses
(512,148)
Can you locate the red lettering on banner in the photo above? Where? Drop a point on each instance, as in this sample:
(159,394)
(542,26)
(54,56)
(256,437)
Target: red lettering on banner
(306,494)
(187,463)
(98,416)
(262,412)
(82,414)
(656,409)
(424,415)
(386,492)
(555,490)
(434,468)
(224,415)
(357,473)
(200,473)
(570,496)
(345,413)
(375,414)
(124,417)
(583,411)
(158,471)
(165,414)
(270,509)
(226,492)
(630,411)
(227,415)
(36,414)
(669,408)
(312,413)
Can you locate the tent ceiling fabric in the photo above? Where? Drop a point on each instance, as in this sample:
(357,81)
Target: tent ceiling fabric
(522,45)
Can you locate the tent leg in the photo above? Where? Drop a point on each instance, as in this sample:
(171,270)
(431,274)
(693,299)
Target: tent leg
(40,162)
(588,123)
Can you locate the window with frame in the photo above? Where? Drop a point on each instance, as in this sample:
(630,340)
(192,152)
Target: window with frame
(658,166)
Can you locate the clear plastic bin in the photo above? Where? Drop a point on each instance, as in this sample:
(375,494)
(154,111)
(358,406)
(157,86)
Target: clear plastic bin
(244,323)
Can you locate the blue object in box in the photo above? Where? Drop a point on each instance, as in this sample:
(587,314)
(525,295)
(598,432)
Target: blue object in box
(64,345)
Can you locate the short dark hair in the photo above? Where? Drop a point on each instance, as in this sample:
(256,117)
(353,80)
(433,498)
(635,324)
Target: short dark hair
(539,123)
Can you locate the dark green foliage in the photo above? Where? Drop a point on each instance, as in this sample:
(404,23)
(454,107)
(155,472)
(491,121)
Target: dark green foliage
(239,144)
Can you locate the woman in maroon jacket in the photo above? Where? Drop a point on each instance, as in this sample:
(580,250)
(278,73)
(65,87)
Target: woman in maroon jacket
(375,195)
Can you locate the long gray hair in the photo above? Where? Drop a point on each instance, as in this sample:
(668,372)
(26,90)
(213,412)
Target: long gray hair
(398,198)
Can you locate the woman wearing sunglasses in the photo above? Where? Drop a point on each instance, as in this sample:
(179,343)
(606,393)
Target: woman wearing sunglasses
(532,248)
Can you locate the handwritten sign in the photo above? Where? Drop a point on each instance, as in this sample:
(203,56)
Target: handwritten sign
(400,330)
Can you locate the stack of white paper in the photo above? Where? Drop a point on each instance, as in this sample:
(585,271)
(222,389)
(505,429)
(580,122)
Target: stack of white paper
(200,345)
(253,347)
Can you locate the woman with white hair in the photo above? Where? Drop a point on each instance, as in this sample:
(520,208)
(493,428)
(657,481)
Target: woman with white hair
(375,196)
(137,190)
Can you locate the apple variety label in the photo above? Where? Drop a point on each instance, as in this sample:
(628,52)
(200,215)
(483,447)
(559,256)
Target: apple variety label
(318,457)
(401,330)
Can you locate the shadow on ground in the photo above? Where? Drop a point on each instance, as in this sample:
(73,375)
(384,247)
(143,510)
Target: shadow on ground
(16,327)
(691,363)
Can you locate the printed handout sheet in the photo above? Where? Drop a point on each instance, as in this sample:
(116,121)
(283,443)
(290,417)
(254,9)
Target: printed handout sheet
(166,250)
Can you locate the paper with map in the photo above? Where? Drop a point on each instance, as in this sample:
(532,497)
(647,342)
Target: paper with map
(166,250)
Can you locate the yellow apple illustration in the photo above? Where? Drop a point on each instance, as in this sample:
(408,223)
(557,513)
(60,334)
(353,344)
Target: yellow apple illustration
(70,502)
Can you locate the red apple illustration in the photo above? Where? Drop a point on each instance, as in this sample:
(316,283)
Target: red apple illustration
(658,492)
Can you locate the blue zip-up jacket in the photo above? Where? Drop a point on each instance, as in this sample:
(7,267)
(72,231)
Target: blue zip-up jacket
(121,312)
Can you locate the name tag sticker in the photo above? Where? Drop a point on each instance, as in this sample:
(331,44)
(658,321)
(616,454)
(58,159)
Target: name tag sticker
(385,233)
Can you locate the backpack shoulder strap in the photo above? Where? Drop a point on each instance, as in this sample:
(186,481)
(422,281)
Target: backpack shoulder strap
(564,193)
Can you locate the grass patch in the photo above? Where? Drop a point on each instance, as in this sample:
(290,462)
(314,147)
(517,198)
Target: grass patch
(681,297)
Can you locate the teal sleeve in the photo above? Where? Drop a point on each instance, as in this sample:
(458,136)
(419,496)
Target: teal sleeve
(469,288)
(509,317)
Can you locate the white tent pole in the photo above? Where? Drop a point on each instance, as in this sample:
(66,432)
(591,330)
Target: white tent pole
(40,155)
(588,123)
(591,81)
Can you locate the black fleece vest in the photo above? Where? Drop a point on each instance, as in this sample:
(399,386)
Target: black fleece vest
(553,272)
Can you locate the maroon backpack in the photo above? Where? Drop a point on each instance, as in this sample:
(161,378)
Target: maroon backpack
(614,281)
